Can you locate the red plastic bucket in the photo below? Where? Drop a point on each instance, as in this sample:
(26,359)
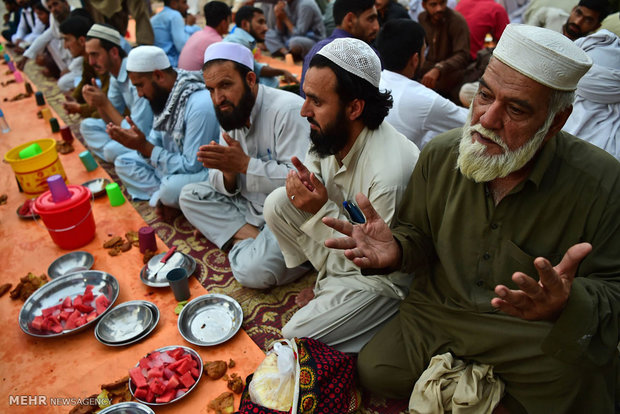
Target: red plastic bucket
(70,223)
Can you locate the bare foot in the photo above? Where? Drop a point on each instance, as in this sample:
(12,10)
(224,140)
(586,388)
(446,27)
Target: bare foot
(197,234)
(304,296)
(166,213)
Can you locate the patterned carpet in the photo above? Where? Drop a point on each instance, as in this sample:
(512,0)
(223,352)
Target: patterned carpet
(265,312)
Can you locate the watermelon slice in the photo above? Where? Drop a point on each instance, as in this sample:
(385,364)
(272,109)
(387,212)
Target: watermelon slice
(137,378)
(101,303)
(184,367)
(140,393)
(88,294)
(166,396)
(67,303)
(84,308)
(157,386)
(155,373)
(37,323)
(187,379)
(173,383)
(77,300)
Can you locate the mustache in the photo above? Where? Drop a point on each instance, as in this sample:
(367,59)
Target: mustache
(229,103)
(313,122)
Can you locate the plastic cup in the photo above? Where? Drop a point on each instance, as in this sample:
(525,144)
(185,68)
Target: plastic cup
(179,283)
(11,66)
(115,195)
(288,58)
(30,151)
(7,58)
(58,188)
(18,77)
(47,114)
(39,97)
(66,134)
(54,125)
(87,159)
(146,238)
(28,87)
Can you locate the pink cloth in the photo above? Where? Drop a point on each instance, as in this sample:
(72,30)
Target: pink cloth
(482,16)
(191,57)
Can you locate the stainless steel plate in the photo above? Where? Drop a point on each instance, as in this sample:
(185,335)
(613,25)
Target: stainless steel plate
(178,259)
(97,186)
(70,263)
(210,319)
(130,407)
(154,321)
(72,285)
(126,321)
(194,355)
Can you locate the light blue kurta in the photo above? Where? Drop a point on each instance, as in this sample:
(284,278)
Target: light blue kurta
(171,33)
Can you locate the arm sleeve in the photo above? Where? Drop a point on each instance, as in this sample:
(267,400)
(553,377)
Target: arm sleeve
(177,29)
(21,28)
(459,33)
(444,116)
(304,21)
(116,99)
(216,178)
(200,128)
(290,139)
(141,113)
(39,44)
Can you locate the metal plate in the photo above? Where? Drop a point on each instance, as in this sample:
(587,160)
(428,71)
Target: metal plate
(125,322)
(194,355)
(154,321)
(130,407)
(210,319)
(70,263)
(72,285)
(178,259)
(96,186)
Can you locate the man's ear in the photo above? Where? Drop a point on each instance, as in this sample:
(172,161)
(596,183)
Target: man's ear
(347,21)
(250,78)
(157,76)
(355,108)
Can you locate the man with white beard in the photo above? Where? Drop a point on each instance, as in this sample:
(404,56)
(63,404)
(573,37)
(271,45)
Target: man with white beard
(515,250)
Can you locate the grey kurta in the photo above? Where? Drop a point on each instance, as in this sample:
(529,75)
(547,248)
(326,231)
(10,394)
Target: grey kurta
(462,245)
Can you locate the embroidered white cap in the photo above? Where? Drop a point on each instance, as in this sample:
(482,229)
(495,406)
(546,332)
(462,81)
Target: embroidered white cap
(354,56)
(100,31)
(147,59)
(230,51)
(543,55)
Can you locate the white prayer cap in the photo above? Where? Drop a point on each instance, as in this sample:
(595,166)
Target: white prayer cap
(100,31)
(354,56)
(147,59)
(547,57)
(230,51)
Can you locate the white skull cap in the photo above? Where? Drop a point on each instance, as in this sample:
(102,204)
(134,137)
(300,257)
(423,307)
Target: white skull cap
(147,59)
(547,57)
(354,56)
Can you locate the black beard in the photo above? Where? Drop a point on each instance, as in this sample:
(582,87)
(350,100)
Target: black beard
(240,113)
(331,139)
(159,99)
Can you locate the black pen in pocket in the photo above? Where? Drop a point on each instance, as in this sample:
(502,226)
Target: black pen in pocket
(354,212)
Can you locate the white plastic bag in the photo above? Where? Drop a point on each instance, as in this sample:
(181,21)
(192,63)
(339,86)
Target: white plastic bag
(274,381)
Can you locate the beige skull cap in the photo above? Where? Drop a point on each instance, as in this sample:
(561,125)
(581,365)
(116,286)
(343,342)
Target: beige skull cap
(100,31)
(147,59)
(354,56)
(547,57)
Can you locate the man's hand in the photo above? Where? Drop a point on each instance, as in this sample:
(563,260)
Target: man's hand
(305,191)
(190,19)
(279,11)
(229,159)
(131,138)
(288,77)
(430,78)
(368,245)
(93,95)
(545,299)
(72,107)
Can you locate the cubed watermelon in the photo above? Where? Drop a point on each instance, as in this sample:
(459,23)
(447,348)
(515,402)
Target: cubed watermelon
(157,386)
(82,307)
(52,324)
(64,315)
(176,353)
(37,323)
(155,373)
(184,367)
(168,373)
(187,379)
(150,396)
(77,300)
(101,303)
(49,311)
(67,303)
(173,383)
(166,396)
(195,372)
(145,363)
(137,378)
(91,316)
(140,393)
(71,320)
(81,320)
(88,294)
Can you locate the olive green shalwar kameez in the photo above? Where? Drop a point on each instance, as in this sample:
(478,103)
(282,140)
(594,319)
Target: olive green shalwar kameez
(462,245)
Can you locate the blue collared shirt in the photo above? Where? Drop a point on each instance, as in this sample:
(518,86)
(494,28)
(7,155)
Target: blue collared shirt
(171,33)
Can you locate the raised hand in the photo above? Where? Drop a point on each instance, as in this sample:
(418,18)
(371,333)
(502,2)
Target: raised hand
(307,196)
(93,95)
(303,173)
(546,298)
(131,138)
(368,245)
(430,78)
(229,159)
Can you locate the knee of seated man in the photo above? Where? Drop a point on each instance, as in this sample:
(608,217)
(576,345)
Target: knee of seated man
(169,193)
(271,208)
(249,269)
(380,378)
(90,124)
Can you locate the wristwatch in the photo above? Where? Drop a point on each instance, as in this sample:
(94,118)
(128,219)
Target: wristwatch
(439,67)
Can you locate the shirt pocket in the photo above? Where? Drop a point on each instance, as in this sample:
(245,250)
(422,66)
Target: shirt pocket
(516,259)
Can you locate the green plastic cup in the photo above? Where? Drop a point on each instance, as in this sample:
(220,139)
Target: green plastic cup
(30,151)
(115,195)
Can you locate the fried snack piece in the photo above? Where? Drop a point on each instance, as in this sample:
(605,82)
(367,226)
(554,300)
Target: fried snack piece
(85,407)
(5,288)
(27,285)
(118,391)
(3,199)
(113,242)
(132,237)
(235,383)
(114,251)
(231,363)
(126,246)
(148,255)
(223,403)
(216,369)
(64,147)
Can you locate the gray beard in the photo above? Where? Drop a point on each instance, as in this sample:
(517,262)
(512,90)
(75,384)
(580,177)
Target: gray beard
(475,164)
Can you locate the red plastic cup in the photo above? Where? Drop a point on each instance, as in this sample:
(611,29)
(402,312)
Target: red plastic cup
(146,238)
(66,134)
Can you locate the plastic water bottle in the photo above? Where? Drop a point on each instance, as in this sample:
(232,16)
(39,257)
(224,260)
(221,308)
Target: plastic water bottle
(4,126)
